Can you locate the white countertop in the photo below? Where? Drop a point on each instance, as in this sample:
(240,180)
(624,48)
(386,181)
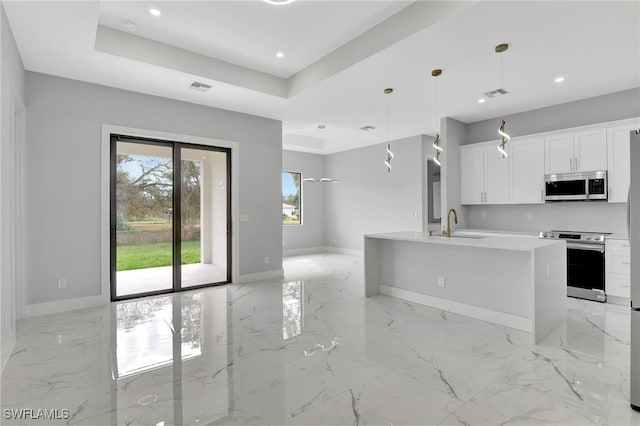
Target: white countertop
(525,243)
(617,237)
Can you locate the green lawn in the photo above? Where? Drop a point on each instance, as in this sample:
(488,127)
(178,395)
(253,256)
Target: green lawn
(150,255)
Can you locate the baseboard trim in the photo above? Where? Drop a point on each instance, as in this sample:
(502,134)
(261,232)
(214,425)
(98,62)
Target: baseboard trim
(65,305)
(500,318)
(340,250)
(260,276)
(303,251)
(618,300)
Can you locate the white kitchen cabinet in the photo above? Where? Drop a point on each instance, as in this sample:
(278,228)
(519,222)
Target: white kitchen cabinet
(559,153)
(590,150)
(471,174)
(526,171)
(618,140)
(584,151)
(617,267)
(484,175)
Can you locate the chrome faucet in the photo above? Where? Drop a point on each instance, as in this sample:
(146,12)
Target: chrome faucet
(447,231)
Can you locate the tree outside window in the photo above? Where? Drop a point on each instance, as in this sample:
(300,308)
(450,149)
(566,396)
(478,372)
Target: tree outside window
(291,198)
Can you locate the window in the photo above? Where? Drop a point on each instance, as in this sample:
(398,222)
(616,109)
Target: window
(291,198)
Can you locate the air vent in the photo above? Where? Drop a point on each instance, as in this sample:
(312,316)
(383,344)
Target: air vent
(200,87)
(367,128)
(494,93)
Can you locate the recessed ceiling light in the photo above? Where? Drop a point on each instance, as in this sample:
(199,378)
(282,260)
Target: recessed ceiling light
(322,126)
(559,79)
(280,55)
(481,101)
(367,128)
(279,2)
(155,12)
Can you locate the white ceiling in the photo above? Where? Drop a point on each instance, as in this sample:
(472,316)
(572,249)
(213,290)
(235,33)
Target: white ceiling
(594,45)
(249,33)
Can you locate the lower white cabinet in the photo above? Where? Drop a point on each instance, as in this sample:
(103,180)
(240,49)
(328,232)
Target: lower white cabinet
(617,267)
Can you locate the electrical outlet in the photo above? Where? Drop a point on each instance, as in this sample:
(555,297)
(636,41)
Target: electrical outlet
(529,215)
(266,260)
(62,283)
(484,215)
(441,282)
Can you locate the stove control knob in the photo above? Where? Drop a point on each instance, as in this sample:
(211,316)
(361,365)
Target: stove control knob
(588,237)
(552,235)
(543,234)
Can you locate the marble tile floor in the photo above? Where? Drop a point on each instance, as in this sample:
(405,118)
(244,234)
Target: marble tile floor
(309,349)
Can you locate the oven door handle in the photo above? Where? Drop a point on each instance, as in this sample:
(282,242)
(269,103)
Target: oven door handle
(590,247)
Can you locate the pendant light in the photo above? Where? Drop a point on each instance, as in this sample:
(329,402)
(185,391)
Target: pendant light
(501,48)
(505,138)
(436,142)
(387,162)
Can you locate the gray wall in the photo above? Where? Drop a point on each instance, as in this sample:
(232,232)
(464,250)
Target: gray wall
(368,199)
(311,232)
(11,92)
(63,177)
(580,216)
(600,109)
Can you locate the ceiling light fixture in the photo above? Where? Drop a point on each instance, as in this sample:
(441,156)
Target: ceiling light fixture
(367,128)
(321,180)
(505,138)
(387,162)
(559,79)
(155,12)
(322,126)
(436,142)
(279,2)
(481,101)
(280,55)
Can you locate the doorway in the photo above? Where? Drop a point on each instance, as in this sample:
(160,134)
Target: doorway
(169,216)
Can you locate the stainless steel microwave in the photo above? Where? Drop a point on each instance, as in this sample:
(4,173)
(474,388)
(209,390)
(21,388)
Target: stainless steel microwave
(576,186)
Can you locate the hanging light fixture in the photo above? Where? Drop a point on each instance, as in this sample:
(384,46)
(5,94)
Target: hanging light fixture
(436,142)
(505,138)
(501,48)
(387,162)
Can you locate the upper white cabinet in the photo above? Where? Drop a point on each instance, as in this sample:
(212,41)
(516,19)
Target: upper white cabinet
(484,175)
(618,141)
(576,152)
(526,171)
(471,174)
(590,149)
(559,150)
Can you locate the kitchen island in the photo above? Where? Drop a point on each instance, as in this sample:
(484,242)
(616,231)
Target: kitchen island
(518,282)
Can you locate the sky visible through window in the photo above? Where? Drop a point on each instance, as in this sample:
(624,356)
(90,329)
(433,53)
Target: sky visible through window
(288,185)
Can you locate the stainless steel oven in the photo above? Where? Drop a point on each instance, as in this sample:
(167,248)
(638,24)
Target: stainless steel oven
(576,186)
(585,263)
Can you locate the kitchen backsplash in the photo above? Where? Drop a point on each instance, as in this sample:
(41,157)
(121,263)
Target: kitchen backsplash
(570,216)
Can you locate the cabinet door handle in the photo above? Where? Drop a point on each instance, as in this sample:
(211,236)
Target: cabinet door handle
(542,195)
(575,167)
(626,263)
(610,193)
(571,164)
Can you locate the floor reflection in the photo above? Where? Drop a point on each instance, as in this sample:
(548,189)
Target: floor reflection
(292,309)
(171,362)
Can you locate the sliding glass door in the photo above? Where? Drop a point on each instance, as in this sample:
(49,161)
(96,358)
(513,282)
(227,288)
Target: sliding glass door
(170,216)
